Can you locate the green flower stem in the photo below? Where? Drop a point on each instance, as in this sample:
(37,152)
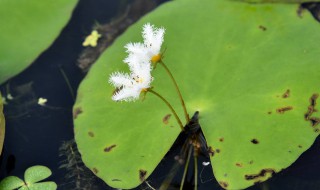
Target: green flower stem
(185,168)
(178,91)
(169,105)
(195,156)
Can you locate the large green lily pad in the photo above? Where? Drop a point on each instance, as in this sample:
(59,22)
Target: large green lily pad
(28,27)
(250,70)
(278,1)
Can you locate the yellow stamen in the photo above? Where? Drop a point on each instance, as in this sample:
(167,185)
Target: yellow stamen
(156,58)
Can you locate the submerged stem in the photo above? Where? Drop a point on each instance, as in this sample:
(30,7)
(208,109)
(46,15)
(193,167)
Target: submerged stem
(185,169)
(169,105)
(195,158)
(178,91)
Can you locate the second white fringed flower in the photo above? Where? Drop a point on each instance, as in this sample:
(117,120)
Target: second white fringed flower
(130,86)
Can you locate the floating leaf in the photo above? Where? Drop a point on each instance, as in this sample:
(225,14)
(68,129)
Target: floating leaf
(36,173)
(250,70)
(27,29)
(43,186)
(278,1)
(10,183)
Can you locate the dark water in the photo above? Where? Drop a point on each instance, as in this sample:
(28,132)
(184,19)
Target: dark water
(35,133)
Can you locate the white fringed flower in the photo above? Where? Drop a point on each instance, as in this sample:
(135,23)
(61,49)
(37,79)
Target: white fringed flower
(130,86)
(141,55)
(149,50)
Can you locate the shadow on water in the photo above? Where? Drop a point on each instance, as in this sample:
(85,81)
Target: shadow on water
(35,133)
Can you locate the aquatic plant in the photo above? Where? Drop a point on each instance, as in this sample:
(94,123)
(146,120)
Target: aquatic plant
(29,28)
(32,178)
(248,70)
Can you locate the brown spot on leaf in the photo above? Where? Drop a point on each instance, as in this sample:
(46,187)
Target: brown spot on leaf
(76,112)
(263,28)
(284,109)
(262,173)
(223,184)
(95,170)
(251,162)
(221,139)
(218,151)
(239,165)
(91,134)
(109,148)
(142,174)
(269,112)
(299,146)
(255,141)
(210,151)
(286,94)
(314,121)
(316,130)
(166,118)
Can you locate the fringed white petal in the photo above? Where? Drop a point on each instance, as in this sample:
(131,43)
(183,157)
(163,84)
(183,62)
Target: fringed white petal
(119,79)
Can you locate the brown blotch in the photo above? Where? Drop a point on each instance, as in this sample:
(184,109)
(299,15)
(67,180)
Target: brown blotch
(284,109)
(109,148)
(76,112)
(239,164)
(262,173)
(286,94)
(223,184)
(314,121)
(263,28)
(142,174)
(218,150)
(95,170)
(91,134)
(313,99)
(221,139)
(210,151)
(255,141)
(166,118)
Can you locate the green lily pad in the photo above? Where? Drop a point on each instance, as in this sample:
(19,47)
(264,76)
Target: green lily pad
(43,186)
(11,182)
(278,1)
(36,173)
(250,70)
(27,29)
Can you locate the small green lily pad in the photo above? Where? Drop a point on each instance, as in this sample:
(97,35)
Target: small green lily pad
(11,182)
(252,72)
(36,173)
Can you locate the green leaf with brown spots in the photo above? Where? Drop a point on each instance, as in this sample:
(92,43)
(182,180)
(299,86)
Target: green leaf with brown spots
(250,70)
(278,1)
(28,27)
